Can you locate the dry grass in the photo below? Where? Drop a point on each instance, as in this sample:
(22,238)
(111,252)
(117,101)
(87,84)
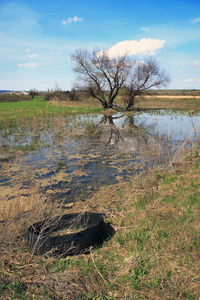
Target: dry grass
(169,102)
(153,255)
(145,102)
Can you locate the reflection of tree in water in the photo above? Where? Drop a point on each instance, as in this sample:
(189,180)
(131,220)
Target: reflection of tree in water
(130,121)
(128,137)
(114,137)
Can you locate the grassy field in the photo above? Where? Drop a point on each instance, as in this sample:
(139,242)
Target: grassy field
(154,253)
(10,113)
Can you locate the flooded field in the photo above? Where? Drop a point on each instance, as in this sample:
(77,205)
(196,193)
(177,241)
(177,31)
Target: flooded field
(66,158)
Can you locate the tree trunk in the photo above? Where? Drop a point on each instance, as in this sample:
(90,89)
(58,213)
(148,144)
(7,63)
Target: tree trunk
(130,102)
(129,106)
(105,104)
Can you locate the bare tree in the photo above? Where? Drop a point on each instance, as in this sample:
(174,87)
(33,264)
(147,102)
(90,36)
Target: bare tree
(143,77)
(102,76)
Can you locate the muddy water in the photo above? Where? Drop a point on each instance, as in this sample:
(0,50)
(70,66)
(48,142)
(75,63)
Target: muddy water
(67,158)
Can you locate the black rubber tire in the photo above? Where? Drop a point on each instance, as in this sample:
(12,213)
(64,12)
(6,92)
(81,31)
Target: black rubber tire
(40,240)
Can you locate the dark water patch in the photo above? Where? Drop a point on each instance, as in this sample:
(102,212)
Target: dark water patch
(5,181)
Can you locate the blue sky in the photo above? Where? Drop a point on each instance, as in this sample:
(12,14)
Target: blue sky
(38,37)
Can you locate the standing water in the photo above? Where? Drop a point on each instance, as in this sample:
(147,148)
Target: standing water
(69,157)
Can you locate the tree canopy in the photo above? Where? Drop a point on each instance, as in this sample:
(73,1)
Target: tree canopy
(103,76)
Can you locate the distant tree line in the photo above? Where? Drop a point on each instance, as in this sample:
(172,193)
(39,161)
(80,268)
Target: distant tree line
(60,95)
(76,94)
(13,98)
(57,95)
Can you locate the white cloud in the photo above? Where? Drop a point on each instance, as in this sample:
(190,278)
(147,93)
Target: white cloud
(134,47)
(195,20)
(29,65)
(144,29)
(192,80)
(196,63)
(33,55)
(28,50)
(70,20)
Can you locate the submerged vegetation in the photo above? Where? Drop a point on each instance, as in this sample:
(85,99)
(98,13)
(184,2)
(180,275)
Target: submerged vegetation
(154,253)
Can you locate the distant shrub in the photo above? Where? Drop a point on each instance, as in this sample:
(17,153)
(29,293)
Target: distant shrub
(33,93)
(61,96)
(13,98)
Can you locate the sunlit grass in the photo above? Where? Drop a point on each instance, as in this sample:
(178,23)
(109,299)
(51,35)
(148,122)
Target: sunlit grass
(11,112)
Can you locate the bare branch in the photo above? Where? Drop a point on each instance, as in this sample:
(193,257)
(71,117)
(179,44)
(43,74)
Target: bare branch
(103,76)
(144,77)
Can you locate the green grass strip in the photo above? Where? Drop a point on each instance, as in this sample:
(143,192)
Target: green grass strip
(11,112)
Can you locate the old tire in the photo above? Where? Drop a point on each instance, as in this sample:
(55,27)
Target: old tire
(41,241)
